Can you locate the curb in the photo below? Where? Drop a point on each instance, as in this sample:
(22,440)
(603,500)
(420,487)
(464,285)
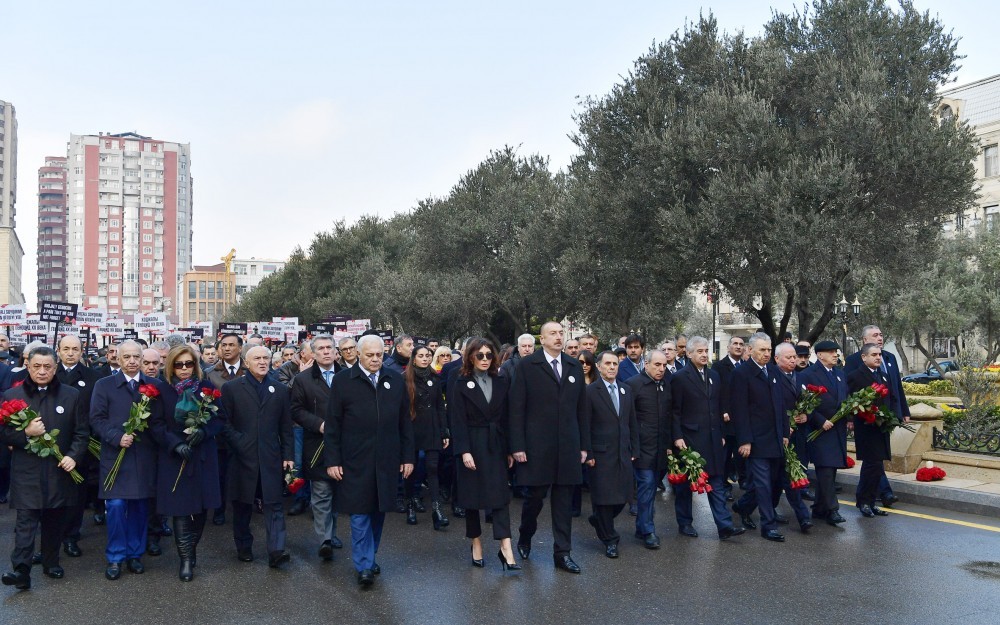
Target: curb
(928,494)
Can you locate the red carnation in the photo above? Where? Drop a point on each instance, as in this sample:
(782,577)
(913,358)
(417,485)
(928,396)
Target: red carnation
(216,393)
(296,485)
(850,462)
(149,390)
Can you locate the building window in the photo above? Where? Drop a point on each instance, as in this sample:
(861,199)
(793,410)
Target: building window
(211,290)
(147,250)
(202,288)
(991,165)
(992,216)
(192,310)
(192,289)
(146,275)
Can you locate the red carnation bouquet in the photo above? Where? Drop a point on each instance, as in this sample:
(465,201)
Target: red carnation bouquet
(292,483)
(138,421)
(809,400)
(795,470)
(688,466)
(203,409)
(16,414)
(850,462)
(930,473)
(862,404)
(675,475)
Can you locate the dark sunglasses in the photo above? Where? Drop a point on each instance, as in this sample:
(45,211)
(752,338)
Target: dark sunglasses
(183,364)
(482,356)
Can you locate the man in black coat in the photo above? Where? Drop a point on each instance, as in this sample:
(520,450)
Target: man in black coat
(548,439)
(230,366)
(897,402)
(735,464)
(829,451)
(652,412)
(614,444)
(75,374)
(870,443)
(368,444)
(259,434)
(41,489)
(697,423)
(788,390)
(310,401)
(761,432)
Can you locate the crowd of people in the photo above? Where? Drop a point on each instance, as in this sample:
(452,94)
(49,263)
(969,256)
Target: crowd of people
(170,435)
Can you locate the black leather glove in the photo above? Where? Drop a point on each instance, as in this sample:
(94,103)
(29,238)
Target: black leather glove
(196,437)
(183,450)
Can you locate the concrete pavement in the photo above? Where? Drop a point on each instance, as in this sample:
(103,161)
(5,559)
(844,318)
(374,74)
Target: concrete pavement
(898,569)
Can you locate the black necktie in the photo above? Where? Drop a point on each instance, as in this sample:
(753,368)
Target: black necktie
(232,370)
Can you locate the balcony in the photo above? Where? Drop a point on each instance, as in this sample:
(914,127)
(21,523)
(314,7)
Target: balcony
(737,320)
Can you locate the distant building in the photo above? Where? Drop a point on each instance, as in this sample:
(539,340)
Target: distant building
(207,291)
(129,222)
(11,252)
(978,103)
(52,233)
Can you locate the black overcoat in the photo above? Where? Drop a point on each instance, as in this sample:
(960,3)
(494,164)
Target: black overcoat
(870,443)
(725,367)
(546,420)
(786,395)
(310,402)
(753,409)
(259,435)
(830,448)
(370,435)
(697,418)
(109,410)
(83,379)
(652,415)
(613,438)
(38,483)
(480,429)
(430,424)
(198,488)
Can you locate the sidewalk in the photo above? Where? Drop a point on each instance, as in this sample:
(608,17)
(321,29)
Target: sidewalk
(957,495)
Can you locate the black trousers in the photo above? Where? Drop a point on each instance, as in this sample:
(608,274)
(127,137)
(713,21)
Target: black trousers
(274,525)
(53,522)
(826,492)
(501,523)
(561,506)
(604,520)
(872,473)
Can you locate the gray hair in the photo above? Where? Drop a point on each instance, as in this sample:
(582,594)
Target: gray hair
(401,338)
(865,330)
(654,352)
(758,337)
(130,344)
(319,337)
(175,340)
(162,345)
(370,338)
(695,342)
(526,337)
(783,347)
(253,347)
(342,342)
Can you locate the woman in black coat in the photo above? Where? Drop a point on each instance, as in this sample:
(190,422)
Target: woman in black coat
(187,483)
(430,432)
(479,426)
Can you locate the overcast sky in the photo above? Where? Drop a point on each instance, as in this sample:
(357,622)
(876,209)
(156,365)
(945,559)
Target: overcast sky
(302,113)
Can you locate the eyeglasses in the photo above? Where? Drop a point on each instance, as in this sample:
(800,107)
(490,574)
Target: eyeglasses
(183,364)
(484,356)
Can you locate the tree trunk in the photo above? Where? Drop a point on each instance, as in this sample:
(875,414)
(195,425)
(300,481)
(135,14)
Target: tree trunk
(931,359)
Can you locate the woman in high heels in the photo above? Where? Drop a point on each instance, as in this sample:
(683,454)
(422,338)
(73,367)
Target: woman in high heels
(479,437)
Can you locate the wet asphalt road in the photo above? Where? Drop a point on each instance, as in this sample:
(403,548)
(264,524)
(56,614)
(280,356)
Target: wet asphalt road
(899,569)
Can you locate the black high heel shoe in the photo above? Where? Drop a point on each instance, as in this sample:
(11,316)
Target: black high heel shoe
(504,565)
(476,563)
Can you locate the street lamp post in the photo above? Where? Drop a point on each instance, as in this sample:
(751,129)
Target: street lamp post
(842,308)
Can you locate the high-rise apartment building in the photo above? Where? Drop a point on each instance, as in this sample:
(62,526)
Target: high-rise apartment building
(129,222)
(52,230)
(11,251)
